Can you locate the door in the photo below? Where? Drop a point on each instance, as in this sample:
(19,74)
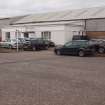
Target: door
(75,47)
(67,48)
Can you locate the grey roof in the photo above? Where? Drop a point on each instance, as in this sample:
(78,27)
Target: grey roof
(4,22)
(86,13)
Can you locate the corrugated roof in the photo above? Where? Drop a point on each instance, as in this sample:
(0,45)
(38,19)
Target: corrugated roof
(87,13)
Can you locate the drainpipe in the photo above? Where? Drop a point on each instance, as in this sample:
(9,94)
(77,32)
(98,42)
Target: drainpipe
(85,26)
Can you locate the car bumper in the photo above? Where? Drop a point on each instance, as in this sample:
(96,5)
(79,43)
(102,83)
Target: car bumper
(88,52)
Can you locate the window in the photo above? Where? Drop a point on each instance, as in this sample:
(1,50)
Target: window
(68,44)
(18,34)
(7,35)
(46,35)
(26,35)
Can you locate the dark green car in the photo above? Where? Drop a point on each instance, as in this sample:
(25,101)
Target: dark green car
(78,47)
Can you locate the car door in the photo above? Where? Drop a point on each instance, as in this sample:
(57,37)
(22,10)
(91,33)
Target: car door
(67,48)
(75,47)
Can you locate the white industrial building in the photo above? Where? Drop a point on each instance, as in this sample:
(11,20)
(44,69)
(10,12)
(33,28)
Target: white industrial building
(59,26)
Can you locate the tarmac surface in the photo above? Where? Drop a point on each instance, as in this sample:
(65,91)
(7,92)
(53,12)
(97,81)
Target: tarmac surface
(42,78)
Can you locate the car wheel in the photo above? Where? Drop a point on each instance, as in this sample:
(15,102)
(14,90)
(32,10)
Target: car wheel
(10,46)
(58,52)
(34,48)
(81,53)
(101,50)
(93,51)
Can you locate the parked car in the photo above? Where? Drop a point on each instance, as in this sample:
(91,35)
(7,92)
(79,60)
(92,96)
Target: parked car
(78,47)
(11,43)
(50,43)
(99,45)
(36,44)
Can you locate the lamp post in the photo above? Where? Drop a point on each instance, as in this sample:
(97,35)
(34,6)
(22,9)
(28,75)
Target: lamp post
(17,44)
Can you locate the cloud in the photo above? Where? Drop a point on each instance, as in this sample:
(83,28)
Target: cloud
(21,7)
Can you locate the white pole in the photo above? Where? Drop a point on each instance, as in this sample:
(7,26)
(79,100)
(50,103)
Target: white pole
(17,44)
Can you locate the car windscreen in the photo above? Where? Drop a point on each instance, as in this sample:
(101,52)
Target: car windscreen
(68,44)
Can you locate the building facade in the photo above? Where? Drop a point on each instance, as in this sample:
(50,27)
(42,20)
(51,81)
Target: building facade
(59,33)
(58,27)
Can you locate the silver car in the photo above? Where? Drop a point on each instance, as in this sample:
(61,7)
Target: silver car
(11,43)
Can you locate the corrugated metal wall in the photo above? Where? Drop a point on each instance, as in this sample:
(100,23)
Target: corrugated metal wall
(95,25)
(96,28)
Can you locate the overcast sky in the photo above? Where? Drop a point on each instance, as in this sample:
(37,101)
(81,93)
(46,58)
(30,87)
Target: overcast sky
(21,7)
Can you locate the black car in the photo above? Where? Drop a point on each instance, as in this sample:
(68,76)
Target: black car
(99,45)
(50,43)
(78,47)
(35,44)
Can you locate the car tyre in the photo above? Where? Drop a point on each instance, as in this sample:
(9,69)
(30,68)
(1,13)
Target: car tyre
(10,46)
(101,50)
(81,53)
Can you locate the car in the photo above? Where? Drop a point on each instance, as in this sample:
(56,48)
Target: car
(99,45)
(49,42)
(10,43)
(78,47)
(36,44)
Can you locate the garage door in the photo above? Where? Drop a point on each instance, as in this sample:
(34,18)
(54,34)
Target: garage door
(98,35)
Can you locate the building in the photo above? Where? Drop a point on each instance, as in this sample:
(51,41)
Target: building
(59,26)
(5,24)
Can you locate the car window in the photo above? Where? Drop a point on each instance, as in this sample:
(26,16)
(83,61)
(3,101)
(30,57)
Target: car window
(68,44)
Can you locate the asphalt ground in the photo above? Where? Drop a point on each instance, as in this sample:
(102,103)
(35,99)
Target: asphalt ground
(42,78)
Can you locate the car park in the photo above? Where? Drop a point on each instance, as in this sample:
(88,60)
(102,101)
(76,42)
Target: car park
(36,44)
(78,47)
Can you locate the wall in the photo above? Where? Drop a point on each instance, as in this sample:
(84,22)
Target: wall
(96,28)
(95,25)
(60,33)
(12,31)
(57,32)
(69,29)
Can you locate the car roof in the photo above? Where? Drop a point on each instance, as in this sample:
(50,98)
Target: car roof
(80,40)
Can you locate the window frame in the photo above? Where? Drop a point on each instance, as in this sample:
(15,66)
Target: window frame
(46,35)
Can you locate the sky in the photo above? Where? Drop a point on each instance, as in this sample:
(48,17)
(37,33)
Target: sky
(23,7)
